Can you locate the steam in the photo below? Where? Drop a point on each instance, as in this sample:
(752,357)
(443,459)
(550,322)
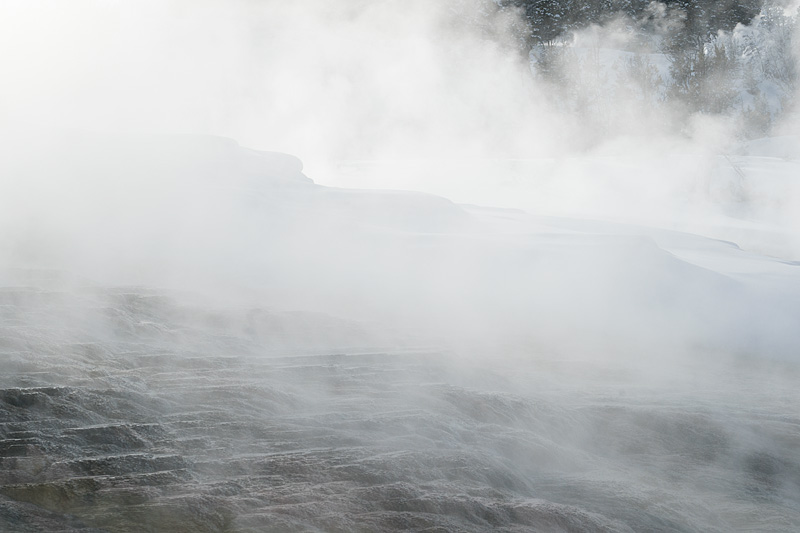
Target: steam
(326,81)
(591,366)
(342,79)
(415,95)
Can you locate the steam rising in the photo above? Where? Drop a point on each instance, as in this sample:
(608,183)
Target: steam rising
(431,96)
(422,84)
(558,256)
(373,75)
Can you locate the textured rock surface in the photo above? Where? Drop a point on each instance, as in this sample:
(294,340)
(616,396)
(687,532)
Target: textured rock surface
(125,410)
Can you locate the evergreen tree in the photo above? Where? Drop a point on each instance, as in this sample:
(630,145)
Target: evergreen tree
(547,20)
(703,77)
(640,79)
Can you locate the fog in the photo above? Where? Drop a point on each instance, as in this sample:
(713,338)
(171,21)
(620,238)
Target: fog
(350,265)
(428,96)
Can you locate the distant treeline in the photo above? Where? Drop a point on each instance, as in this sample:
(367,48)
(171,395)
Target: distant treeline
(679,56)
(548,20)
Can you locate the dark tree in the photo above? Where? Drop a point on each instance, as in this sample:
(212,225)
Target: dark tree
(547,20)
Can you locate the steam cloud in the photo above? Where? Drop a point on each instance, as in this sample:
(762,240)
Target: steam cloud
(439,89)
(429,96)
(144,147)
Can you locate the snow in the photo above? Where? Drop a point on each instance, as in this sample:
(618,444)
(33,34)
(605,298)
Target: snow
(235,217)
(238,345)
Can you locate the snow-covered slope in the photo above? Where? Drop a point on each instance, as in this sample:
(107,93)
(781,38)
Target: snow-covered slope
(206,214)
(211,341)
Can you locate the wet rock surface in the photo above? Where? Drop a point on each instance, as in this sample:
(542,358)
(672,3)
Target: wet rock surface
(125,410)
